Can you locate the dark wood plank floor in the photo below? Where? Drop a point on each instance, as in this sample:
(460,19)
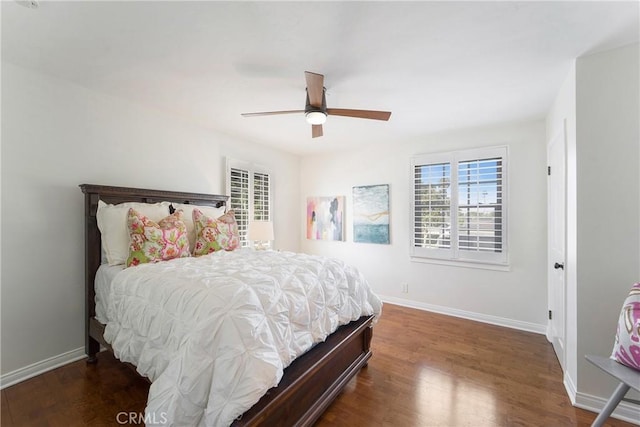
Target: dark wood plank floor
(427,370)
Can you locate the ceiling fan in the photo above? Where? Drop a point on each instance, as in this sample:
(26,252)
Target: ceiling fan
(316,110)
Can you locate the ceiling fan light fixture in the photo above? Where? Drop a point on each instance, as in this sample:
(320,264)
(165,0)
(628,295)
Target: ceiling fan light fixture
(316,117)
(315,109)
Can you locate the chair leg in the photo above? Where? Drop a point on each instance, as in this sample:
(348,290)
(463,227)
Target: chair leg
(613,401)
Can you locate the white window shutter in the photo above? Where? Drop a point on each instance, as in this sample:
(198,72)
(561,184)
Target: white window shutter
(459,206)
(250,195)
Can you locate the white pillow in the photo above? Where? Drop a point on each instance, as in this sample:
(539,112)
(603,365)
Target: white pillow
(188,218)
(112,223)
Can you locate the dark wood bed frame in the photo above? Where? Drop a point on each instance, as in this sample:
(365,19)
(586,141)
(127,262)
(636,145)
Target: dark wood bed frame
(308,385)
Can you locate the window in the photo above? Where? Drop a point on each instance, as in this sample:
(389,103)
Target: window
(459,206)
(250,195)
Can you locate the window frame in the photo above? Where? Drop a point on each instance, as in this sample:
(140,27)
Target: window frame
(454,254)
(252,169)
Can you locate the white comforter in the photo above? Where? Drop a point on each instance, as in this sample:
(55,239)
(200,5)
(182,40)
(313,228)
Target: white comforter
(214,333)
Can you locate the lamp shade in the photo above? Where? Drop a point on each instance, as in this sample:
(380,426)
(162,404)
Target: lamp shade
(261,230)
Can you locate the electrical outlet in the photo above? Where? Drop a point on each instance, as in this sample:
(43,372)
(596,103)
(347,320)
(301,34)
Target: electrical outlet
(405,288)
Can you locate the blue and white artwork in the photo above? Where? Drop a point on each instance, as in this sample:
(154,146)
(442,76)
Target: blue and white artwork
(371,214)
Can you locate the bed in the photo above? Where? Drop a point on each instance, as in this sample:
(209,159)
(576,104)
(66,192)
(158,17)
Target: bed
(308,385)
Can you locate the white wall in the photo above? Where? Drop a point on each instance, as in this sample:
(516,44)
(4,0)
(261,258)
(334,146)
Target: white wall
(600,102)
(608,202)
(55,136)
(517,297)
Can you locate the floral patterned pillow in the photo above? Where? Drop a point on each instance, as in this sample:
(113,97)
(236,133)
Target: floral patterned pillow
(152,242)
(626,349)
(215,234)
(187,209)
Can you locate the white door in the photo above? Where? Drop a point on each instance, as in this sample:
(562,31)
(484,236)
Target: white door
(556,190)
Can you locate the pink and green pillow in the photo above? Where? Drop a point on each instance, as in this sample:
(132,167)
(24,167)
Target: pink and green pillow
(215,234)
(152,242)
(626,348)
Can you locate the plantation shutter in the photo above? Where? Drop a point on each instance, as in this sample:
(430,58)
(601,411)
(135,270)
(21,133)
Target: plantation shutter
(239,200)
(480,205)
(261,197)
(432,209)
(249,188)
(459,206)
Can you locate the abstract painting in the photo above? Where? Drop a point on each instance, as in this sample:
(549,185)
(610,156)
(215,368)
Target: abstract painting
(371,214)
(325,218)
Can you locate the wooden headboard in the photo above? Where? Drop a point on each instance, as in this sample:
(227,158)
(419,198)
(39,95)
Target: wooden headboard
(115,195)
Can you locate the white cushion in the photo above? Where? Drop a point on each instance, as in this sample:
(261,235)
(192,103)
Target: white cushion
(112,223)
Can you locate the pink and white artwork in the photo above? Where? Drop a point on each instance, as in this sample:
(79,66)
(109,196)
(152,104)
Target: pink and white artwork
(325,218)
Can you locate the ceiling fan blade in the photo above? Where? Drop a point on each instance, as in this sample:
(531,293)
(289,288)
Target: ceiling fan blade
(316,131)
(361,114)
(315,88)
(271,113)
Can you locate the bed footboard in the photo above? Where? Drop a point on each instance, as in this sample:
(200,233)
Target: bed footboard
(310,383)
(315,379)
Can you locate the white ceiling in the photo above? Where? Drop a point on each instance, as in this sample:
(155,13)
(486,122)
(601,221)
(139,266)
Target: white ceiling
(435,65)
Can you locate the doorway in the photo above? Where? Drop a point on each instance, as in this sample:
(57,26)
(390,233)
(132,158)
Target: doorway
(556,198)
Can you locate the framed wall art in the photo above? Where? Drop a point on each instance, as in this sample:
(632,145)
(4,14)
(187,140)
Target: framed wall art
(325,218)
(371,214)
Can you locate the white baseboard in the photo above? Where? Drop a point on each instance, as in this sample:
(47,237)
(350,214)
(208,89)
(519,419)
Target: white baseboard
(41,367)
(625,411)
(479,317)
(570,388)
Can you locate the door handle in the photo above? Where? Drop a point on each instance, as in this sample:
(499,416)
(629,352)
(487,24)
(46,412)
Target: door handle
(557,265)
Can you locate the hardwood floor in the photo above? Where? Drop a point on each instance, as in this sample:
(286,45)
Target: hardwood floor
(427,370)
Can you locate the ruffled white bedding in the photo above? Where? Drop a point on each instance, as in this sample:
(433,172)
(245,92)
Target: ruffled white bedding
(214,333)
(102,285)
